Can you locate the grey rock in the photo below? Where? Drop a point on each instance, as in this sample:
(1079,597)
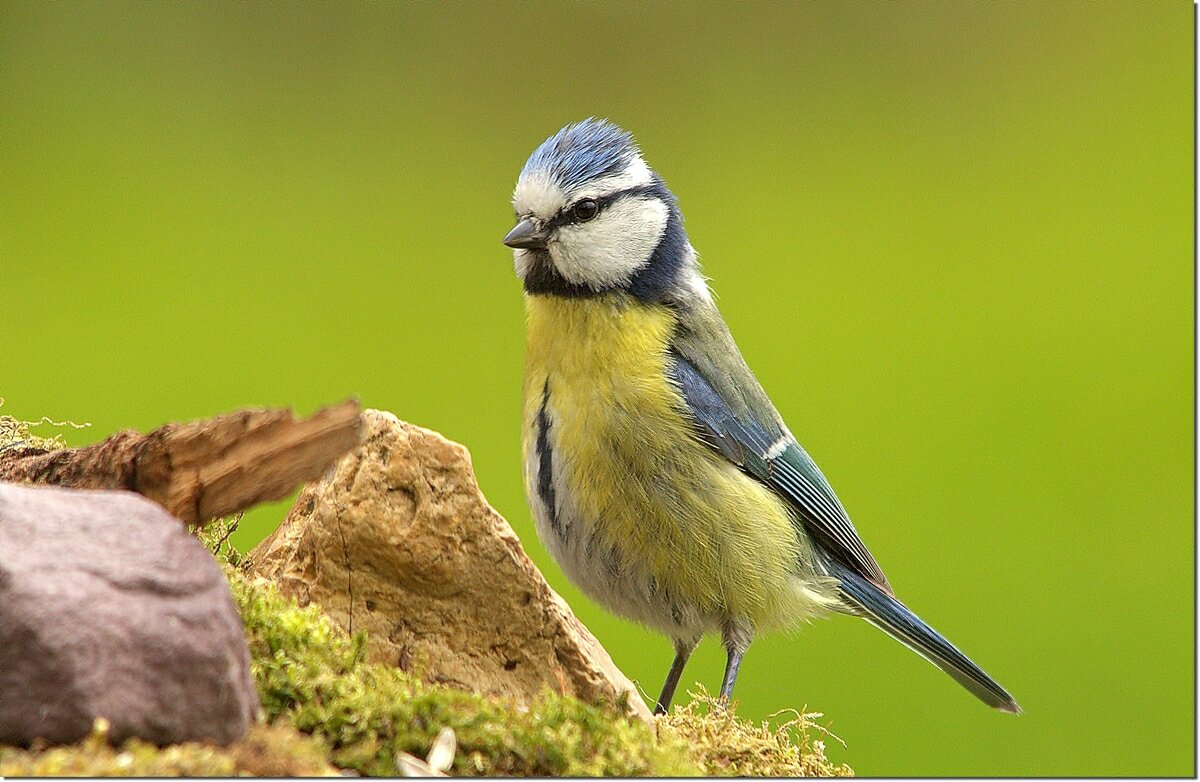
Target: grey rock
(109,608)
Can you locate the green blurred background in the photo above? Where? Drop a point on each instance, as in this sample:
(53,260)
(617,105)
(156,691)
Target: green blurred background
(954,240)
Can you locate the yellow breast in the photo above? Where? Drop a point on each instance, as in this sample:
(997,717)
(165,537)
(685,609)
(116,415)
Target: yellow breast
(633,468)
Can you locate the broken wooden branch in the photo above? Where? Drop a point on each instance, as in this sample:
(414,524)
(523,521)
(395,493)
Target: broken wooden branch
(201,470)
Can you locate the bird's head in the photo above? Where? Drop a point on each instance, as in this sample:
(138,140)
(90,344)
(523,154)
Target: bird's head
(592,218)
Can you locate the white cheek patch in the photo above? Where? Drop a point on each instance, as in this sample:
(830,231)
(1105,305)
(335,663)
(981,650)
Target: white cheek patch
(607,251)
(538,194)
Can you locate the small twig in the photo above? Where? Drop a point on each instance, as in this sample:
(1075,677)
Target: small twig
(229,531)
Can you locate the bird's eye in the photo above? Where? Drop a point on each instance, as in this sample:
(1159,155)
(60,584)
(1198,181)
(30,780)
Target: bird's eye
(585,210)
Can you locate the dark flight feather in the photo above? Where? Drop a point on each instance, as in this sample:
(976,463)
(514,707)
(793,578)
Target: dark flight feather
(894,618)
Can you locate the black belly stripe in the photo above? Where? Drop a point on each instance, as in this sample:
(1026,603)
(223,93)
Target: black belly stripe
(545,481)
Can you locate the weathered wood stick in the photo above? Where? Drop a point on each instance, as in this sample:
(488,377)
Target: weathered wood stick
(201,470)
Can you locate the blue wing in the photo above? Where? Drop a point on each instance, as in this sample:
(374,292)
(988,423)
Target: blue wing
(766,452)
(740,423)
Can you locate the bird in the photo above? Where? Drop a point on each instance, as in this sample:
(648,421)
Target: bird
(659,474)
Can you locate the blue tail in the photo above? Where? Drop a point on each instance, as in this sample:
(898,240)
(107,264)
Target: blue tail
(893,617)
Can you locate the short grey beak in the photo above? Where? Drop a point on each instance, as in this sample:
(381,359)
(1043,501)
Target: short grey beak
(526,235)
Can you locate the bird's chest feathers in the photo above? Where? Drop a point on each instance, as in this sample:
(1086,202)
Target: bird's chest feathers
(605,350)
(611,455)
(598,368)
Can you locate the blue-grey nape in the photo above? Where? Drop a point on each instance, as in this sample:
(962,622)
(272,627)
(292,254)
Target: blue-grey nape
(582,152)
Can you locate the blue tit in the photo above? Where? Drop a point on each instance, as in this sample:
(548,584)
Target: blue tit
(660,476)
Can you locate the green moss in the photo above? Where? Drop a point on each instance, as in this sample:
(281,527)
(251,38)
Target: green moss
(325,705)
(279,750)
(310,671)
(95,757)
(265,751)
(726,745)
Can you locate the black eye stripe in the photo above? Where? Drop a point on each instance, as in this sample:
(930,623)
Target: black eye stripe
(564,216)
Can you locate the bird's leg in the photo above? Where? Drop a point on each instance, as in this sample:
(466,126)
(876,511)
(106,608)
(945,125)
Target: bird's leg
(737,639)
(683,650)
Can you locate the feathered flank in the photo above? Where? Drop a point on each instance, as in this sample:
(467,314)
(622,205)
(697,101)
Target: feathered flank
(583,152)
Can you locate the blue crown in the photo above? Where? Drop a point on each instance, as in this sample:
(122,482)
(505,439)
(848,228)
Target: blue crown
(583,152)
